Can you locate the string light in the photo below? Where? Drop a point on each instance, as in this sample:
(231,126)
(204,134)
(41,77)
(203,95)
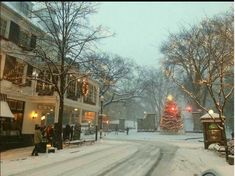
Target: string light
(15,75)
(170,97)
(85,87)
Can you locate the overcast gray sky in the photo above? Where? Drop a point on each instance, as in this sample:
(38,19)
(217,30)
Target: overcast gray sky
(141,27)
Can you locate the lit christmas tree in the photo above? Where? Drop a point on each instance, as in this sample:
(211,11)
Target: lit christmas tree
(171,118)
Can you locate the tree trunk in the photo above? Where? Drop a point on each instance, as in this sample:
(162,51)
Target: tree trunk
(60,124)
(226,144)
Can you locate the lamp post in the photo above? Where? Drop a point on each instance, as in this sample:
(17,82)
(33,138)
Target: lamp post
(34,76)
(101,115)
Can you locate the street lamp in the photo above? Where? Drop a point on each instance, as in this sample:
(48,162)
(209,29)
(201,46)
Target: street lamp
(101,115)
(34,76)
(210,112)
(145,114)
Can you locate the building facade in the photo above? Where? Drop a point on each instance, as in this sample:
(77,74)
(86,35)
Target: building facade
(31,101)
(148,123)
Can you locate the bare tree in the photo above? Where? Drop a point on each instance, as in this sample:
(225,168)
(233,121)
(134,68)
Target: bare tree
(205,55)
(117,77)
(156,90)
(62,45)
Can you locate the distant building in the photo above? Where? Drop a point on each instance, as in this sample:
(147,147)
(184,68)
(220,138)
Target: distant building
(197,125)
(113,125)
(122,124)
(148,123)
(188,121)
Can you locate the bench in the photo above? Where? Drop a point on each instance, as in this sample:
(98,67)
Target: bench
(90,141)
(75,142)
(80,142)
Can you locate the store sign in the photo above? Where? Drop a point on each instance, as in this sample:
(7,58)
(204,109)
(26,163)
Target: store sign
(45,107)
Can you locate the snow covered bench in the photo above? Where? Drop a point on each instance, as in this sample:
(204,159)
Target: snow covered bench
(89,141)
(75,142)
(80,142)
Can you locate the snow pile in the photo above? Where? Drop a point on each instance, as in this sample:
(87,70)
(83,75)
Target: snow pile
(192,159)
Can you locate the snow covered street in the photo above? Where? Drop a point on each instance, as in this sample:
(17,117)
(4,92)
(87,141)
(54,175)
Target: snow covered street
(133,154)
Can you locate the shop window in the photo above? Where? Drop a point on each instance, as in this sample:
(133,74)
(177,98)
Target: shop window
(13,70)
(15,105)
(14,32)
(39,82)
(33,41)
(66,118)
(79,89)
(50,119)
(71,89)
(24,40)
(42,87)
(11,126)
(3,27)
(91,97)
(29,75)
(88,116)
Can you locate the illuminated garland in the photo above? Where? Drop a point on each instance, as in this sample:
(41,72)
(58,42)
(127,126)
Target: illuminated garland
(85,87)
(15,75)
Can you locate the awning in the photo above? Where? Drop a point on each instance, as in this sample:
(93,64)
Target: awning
(5,110)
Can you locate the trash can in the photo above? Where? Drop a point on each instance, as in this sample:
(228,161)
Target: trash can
(43,146)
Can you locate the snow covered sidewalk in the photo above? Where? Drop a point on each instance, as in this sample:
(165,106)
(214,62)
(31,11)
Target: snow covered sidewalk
(190,158)
(25,152)
(20,162)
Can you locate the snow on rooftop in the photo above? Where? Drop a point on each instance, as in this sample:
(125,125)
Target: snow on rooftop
(214,115)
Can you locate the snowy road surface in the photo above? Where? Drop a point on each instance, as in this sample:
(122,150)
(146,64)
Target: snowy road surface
(113,158)
(147,154)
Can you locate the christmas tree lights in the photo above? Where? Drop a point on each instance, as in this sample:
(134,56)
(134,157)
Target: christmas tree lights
(171,118)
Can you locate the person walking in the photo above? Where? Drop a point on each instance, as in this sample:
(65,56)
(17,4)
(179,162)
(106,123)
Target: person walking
(71,132)
(67,132)
(49,134)
(127,130)
(77,131)
(116,129)
(37,140)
